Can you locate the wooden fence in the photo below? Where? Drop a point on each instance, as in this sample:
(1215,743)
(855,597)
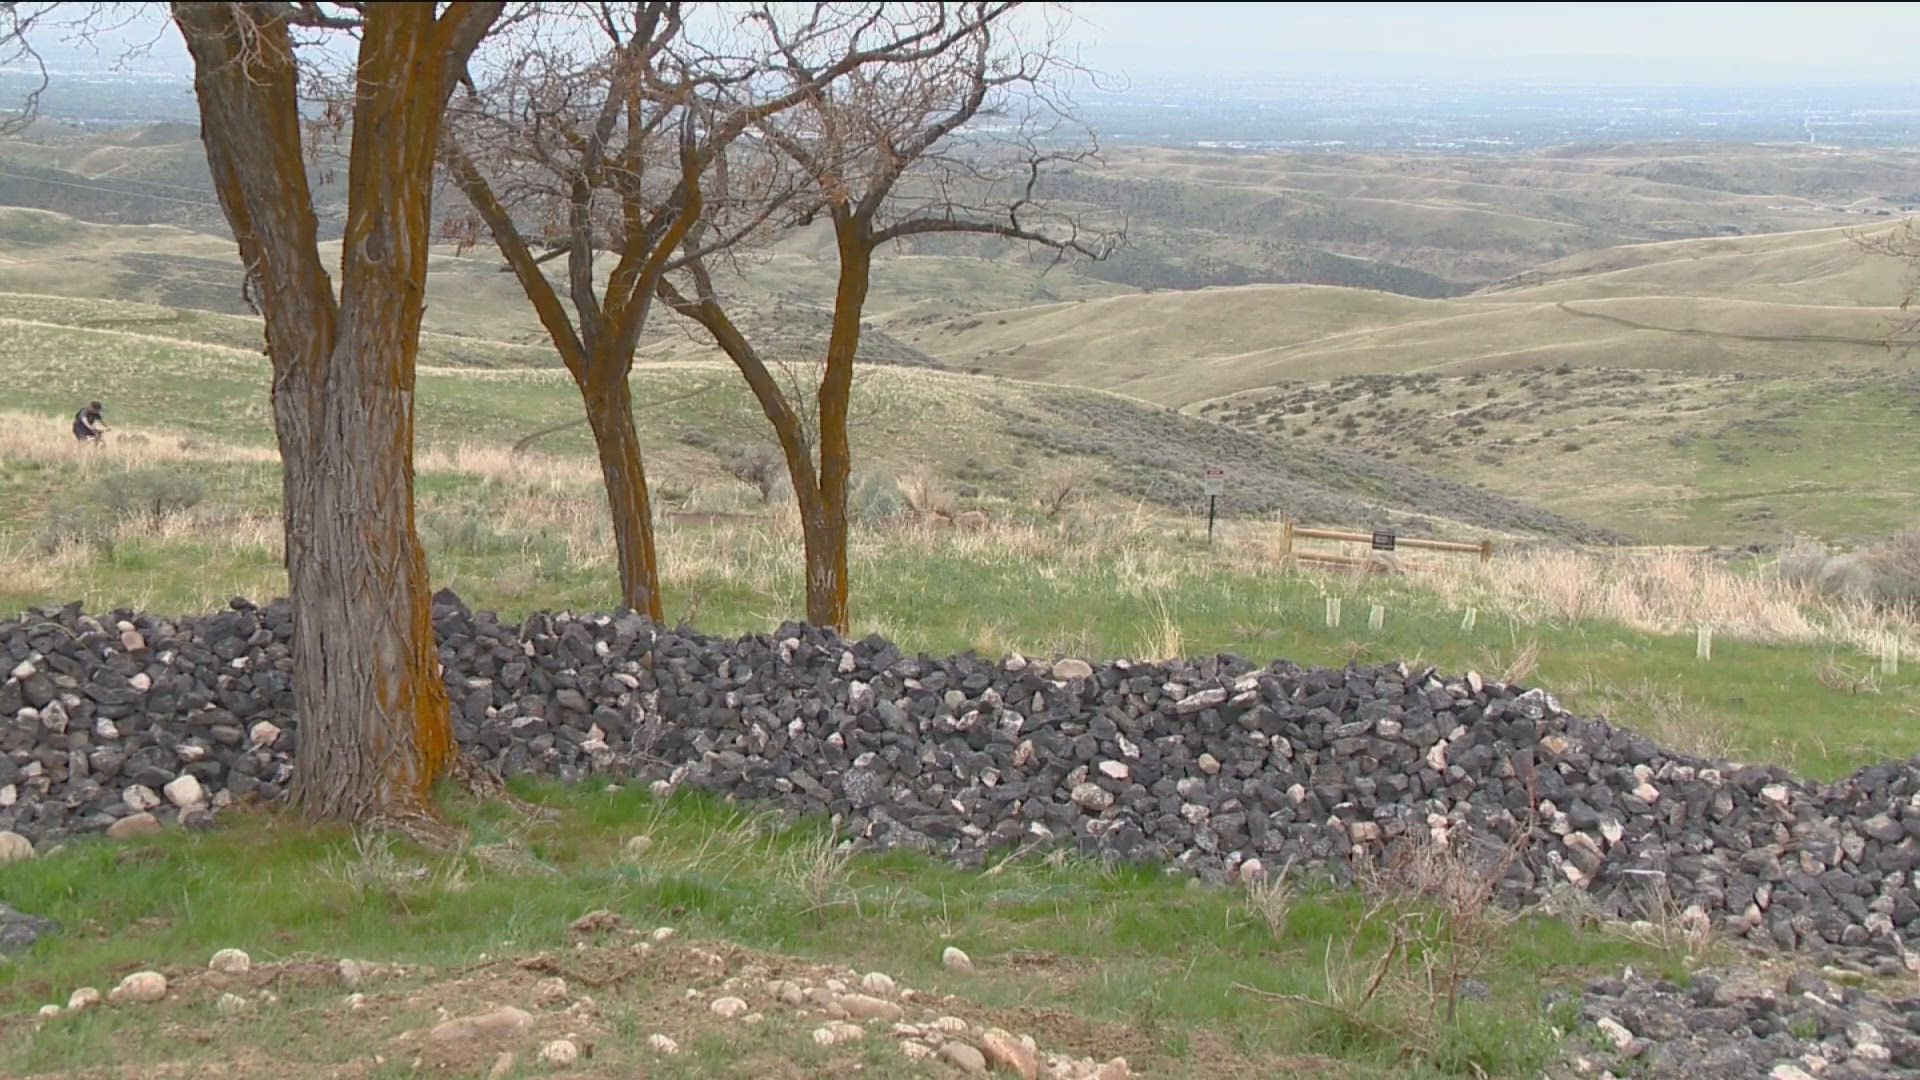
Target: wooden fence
(1378,541)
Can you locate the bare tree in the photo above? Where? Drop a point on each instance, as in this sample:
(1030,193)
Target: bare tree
(630,145)
(374,731)
(592,151)
(887,152)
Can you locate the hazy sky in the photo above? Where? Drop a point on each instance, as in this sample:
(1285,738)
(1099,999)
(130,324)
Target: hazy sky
(1638,41)
(1750,40)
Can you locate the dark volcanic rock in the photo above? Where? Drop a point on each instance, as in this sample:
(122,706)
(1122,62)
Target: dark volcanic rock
(1206,764)
(19,930)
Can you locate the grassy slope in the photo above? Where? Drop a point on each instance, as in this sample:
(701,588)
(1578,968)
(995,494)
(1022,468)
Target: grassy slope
(1687,458)
(1775,303)
(1434,225)
(1000,437)
(1092,961)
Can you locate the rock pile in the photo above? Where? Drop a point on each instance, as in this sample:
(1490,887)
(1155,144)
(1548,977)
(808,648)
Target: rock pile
(1746,1022)
(1215,766)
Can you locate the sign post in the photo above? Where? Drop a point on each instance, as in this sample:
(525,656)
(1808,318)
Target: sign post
(1216,483)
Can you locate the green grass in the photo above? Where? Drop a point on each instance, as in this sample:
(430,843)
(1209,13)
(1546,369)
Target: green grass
(1116,945)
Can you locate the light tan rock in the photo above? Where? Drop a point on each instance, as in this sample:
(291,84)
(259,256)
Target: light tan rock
(231,1004)
(878,984)
(496,1026)
(133,825)
(1072,669)
(1115,1069)
(83,998)
(230,962)
(954,960)
(837,1032)
(661,1044)
(139,988)
(966,1058)
(728,1008)
(865,1007)
(185,792)
(1008,1054)
(14,847)
(559,1054)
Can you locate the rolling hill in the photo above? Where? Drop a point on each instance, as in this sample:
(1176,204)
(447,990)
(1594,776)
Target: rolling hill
(997,441)
(1683,319)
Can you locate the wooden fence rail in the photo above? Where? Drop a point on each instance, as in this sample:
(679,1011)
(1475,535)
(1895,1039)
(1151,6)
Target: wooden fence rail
(1382,541)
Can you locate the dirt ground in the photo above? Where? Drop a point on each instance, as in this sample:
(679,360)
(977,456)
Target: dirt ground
(625,1003)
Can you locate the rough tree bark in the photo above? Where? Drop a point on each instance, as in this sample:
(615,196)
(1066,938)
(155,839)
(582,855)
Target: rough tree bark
(374,731)
(826,540)
(609,404)
(598,353)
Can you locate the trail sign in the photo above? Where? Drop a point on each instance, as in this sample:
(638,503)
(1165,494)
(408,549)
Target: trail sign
(1382,541)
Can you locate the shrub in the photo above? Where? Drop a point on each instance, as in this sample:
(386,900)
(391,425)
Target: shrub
(1895,563)
(76,525)
(1886,573)
(925,494)
(697,439)
(466,531)
(759,467)
(148,491)
(872,498)
(1800,565)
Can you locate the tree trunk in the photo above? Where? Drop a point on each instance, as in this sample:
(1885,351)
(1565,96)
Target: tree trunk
(826,530)
(609,402)
(374,731)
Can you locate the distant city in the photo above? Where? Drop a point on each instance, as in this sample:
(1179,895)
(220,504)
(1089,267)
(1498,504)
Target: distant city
(1458,114)
(1453,114)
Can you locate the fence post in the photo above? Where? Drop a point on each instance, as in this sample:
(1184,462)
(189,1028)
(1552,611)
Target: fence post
(1333,612)
(1890,656)
(1468,620)
(1703,643)
(1377,618)
(1286,539)
(1486,552)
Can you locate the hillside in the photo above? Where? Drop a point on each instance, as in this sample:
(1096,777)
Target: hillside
(1642,304)
(1180,348)
(1664,456)
(1438,225)
(1430,225)
(995,442)
(1811,266)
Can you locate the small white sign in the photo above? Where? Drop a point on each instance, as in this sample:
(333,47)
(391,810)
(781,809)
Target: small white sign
(1216,480)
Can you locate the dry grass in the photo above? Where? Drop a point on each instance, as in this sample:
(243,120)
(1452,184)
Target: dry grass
(1664,714)
(1663,591)
(1141,555)
(926,494)
(1270,898)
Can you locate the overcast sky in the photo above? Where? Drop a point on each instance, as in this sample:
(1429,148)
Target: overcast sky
(1633,41)
(1763,42)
